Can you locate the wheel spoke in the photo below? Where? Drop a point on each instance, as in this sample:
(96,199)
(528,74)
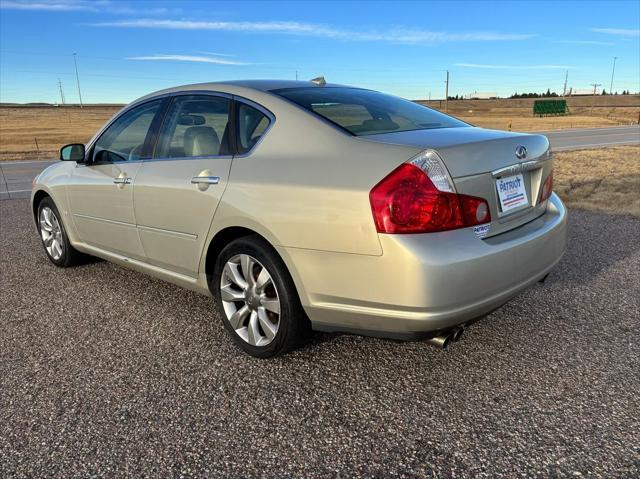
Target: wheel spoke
(247,263)
(237,319)
(57,249)
(228,293)
(252,329)
(233,274)
(44,226)
(268,327)
(272,305)
(48,240)
(264,279)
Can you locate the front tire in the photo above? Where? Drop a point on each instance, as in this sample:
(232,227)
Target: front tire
(257,300)
(53,235)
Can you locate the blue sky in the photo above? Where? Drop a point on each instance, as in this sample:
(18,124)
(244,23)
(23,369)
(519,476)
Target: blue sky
(126,49)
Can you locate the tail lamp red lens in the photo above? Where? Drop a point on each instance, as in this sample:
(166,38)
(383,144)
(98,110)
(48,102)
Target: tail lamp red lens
(406,201)
(547,188)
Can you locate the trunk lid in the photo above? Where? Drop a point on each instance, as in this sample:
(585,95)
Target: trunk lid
(484,163)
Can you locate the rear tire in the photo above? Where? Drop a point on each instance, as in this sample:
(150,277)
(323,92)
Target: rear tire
(257,299)
(54,237)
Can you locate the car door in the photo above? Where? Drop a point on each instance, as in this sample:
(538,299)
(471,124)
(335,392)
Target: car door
(177,191)
(100,191)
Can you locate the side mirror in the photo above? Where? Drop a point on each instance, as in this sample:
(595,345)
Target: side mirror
(72,152)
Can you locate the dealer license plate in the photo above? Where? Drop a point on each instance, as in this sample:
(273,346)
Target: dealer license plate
(511,192)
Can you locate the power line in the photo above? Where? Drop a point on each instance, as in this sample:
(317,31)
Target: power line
(446,93)
(77,79)
(613,70)
(61,91)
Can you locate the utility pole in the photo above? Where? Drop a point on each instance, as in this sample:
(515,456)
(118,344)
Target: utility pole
(61,92)
(446,94)
(564,90)
(429,95)
(612,72)
(75,62)
(296,75)
(595,85)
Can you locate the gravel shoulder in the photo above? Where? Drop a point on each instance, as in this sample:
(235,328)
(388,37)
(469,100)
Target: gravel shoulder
(107,372)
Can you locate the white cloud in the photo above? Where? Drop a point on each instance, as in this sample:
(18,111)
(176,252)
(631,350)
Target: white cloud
(216,54)
(108,6)
(623,32)
(316,30)
(585,42)
(513,67)
(50,5)
(187,58)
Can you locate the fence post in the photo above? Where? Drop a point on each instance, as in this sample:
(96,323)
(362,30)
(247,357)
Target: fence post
(37,147)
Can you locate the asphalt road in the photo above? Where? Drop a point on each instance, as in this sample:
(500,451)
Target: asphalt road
(105,372)
(16,176)
(593,137)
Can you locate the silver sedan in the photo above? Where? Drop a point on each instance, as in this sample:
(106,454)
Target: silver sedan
(303,206)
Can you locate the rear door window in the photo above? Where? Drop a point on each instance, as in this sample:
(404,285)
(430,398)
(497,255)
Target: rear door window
(195,126)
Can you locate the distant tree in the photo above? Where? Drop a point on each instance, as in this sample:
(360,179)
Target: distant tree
(548,92)
(604,92)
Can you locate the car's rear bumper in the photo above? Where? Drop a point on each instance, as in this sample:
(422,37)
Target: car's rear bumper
(429,282)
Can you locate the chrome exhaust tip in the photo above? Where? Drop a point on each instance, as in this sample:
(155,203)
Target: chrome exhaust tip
(457,333)
(445,338)
(441,341)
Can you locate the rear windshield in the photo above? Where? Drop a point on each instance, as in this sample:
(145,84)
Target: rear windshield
(366,112)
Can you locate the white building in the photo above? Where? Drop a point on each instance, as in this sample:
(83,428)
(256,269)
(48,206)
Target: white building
(476,95)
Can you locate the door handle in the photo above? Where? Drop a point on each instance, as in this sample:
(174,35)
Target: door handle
(208,180)
(122,180)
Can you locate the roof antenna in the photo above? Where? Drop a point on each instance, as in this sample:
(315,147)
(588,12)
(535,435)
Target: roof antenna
(320,81)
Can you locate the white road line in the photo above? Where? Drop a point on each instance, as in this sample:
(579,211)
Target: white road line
(573,137)
(569,130)
(591,145)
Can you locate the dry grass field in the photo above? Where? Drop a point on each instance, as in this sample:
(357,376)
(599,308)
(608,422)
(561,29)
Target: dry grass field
(607,179)
(30,132)
(585,112)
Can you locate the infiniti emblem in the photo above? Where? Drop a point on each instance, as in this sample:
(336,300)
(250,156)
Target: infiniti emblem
(521,152)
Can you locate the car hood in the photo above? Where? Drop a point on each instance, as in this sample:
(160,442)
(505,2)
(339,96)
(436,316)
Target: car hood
(470,150)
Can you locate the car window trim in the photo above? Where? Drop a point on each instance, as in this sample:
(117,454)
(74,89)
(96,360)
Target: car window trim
(270,116)
(171,100)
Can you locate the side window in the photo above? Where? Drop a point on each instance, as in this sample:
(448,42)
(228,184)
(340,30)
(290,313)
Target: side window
(124,139)
(252,124)
(196,125)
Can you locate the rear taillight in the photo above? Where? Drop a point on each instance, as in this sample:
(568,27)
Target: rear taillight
(547,188)
(411,200)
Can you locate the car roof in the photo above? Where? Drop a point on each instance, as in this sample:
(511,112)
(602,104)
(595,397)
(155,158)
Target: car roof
(270,85)
(239,87)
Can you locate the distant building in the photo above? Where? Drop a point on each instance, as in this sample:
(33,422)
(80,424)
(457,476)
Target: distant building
(581,91)
(477,95)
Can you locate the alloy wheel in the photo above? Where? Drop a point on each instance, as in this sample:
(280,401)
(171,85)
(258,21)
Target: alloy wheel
(250,300)
(51,233)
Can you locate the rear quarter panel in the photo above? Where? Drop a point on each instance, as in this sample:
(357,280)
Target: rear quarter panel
(306,185)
